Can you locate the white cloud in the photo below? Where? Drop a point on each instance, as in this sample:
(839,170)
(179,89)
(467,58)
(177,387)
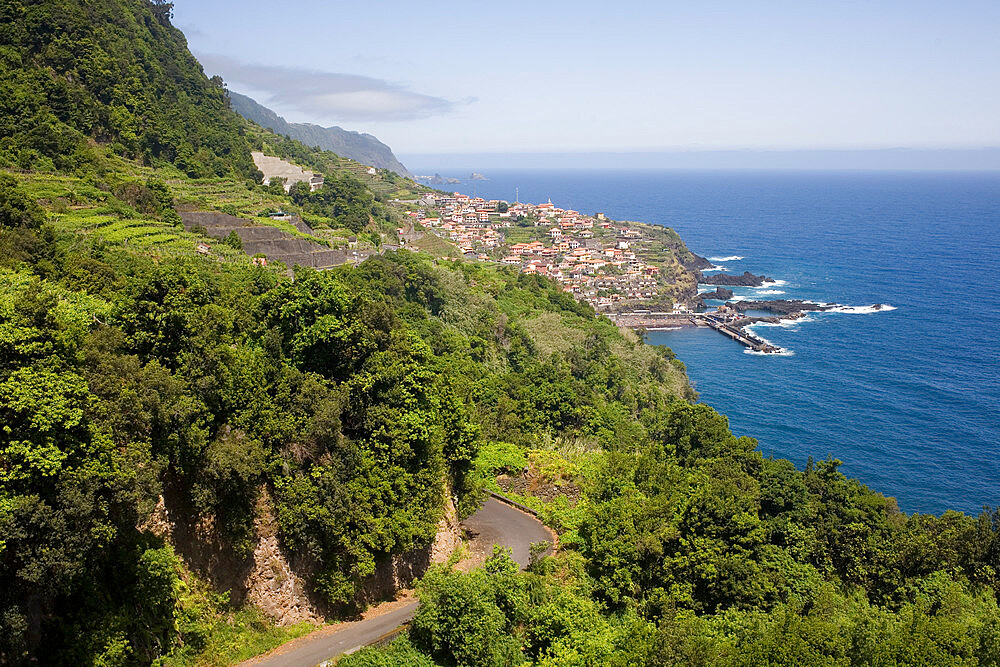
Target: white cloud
(327,96)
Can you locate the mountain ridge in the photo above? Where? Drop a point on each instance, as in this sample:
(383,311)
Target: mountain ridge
(360,146)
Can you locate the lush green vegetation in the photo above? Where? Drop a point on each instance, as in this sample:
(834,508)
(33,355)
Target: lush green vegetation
(351,396)
(692,548)
(139,377)
(115,72)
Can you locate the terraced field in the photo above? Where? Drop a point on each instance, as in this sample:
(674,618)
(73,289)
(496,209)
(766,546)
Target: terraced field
(149,237)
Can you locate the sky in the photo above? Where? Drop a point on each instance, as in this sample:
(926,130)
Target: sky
(555,76)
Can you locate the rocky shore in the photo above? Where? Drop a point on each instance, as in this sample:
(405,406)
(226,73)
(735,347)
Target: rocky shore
(746,280)
(720,294)
(781,306)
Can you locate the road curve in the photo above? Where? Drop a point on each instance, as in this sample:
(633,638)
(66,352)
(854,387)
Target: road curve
(494,523)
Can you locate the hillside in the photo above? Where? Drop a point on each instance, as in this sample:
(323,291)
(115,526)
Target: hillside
(363,148)
(203,455)
(113,72)
(179,421)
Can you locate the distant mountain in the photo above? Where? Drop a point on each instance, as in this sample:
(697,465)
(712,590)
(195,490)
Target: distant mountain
(364,148)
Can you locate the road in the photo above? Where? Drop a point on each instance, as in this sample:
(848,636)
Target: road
(494,523)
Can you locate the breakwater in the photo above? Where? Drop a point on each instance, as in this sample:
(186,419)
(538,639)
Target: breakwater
(737,331)
(730,327)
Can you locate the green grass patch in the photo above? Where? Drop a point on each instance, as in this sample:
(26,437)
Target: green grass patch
(435,245)
(236,637)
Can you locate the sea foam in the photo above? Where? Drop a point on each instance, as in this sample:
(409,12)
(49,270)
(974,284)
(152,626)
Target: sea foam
(782,352)
(783,323)
(731,258)
(861,310)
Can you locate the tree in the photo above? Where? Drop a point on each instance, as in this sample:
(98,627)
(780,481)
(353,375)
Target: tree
(17,209)
(459,622)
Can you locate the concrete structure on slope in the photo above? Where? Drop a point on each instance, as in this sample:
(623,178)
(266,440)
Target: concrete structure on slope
(275,167)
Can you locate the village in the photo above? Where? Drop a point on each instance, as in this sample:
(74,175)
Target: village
(607,264)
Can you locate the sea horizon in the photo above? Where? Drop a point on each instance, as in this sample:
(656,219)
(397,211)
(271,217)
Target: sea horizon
(984,159)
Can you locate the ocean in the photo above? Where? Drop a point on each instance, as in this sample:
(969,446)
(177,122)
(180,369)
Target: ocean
(908,397)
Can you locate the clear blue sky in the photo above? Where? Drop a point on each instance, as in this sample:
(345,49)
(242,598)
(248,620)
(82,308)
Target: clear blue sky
(555,75)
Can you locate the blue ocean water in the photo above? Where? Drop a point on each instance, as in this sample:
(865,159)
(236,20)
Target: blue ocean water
(908,398)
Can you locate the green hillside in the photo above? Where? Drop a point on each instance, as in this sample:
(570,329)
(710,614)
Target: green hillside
(167,406)
(113,72)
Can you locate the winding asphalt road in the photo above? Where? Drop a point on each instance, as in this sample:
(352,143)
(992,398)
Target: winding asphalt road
(494,523)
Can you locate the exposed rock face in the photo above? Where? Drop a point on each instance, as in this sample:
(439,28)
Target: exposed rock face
(720,293)
(277,581)
(272,583)
(746,280)
(449,534)
(696,263)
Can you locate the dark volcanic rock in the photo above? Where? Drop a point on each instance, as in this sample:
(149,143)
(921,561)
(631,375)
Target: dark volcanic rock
(746,280)
(780,306)
(697,263)
(720,293)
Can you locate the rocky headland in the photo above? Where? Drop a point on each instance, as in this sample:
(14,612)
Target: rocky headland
(746,280)
(781,306)
(719,293)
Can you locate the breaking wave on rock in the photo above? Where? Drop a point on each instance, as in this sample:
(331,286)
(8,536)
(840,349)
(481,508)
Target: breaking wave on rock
(862,310)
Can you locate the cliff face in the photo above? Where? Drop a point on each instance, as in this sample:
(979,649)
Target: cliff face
(364,148)
(277,581)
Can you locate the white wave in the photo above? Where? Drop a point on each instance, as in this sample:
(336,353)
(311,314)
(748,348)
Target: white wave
(774,283)
(739,298)
(717,267)
(783,323)
(782,352)
(731,258)
(771,291)
(861,310)
(780,323)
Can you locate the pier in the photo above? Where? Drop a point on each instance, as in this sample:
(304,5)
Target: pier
(738,333)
